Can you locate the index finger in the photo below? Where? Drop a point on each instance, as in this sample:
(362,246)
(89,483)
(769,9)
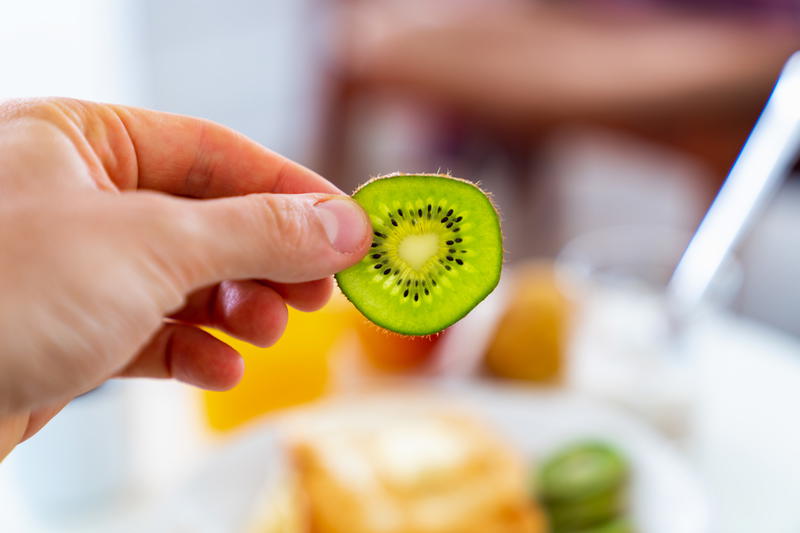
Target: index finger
(198,158)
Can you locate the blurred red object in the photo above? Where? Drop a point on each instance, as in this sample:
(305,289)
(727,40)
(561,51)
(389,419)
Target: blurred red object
(389,352)
(689,78)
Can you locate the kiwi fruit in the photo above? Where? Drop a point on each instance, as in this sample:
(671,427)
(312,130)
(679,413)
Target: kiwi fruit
(437,251)
(583,488)
(618,525)
(587,512)
(582,470)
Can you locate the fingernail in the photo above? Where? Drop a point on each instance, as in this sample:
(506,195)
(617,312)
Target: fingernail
(345,223)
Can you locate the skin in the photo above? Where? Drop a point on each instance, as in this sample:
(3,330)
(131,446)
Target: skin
(123,230)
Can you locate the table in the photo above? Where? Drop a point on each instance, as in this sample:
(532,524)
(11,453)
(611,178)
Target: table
(746,439)
(744,443)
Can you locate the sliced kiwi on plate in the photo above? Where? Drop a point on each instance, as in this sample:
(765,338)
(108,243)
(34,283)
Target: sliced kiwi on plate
(586,512)
(582,470)
(437,251)
(618,525)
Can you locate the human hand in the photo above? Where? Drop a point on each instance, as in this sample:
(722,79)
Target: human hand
(122,230)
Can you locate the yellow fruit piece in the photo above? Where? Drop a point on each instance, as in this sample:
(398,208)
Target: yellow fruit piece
(296,370)
(529,343)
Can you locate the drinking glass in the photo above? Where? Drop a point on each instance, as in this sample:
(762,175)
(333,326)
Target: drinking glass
(623,346)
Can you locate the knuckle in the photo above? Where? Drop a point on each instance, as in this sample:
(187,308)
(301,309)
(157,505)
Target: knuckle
(291,239)
(283,222)
(54,110)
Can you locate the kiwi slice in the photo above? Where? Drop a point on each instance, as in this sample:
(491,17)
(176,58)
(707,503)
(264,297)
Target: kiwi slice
(437,251)
(618,525)
(586,512)
(582,470)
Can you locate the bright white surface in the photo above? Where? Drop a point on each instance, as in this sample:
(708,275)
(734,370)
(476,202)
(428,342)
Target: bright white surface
(746,436)
(87,49)
(104,460)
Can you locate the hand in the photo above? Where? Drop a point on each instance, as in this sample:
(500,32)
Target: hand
(122,230)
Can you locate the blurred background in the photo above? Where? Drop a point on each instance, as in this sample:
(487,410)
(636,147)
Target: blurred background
(603,128)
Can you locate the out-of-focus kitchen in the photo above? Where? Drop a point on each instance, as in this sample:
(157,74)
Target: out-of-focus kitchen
(571,399)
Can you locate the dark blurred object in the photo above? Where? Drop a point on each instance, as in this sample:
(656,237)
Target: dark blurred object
(509,72)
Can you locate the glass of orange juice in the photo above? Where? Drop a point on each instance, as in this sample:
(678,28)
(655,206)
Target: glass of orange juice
(296,370)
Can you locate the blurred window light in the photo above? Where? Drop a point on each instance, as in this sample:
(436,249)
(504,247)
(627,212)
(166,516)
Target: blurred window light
(86,49)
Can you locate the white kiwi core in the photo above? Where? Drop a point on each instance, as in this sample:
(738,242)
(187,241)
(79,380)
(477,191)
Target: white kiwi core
(416,250)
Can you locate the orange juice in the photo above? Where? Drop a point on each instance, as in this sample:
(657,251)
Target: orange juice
(296,370)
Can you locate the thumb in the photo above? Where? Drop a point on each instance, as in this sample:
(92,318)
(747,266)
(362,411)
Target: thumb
(287,238)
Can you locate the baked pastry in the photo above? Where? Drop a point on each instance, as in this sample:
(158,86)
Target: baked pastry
(408,471)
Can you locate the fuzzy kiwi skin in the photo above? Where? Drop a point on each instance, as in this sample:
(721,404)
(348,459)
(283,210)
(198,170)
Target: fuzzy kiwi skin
(491,279)
(487,194)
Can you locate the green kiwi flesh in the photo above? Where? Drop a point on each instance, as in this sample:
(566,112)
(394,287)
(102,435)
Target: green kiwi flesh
(619,525)
(437,251)
(583,489)
(582,470)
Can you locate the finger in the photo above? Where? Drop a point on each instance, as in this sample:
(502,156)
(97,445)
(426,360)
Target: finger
(308,296)
(190,355)
(184,156)
(197,158)
(247,310)
(290,238)
(12,430)
(40,417)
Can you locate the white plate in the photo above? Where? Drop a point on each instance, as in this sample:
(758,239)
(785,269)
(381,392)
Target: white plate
(666,497)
